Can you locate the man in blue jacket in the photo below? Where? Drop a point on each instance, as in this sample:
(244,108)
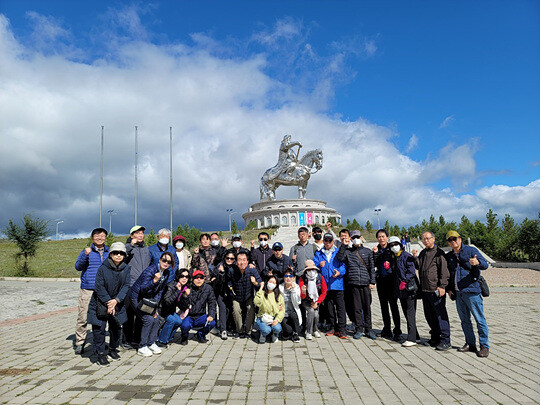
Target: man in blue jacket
(87,263)
(333,271)
(465,263)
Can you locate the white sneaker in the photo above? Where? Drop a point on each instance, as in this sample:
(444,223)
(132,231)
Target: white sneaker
(308,336)
(317,334)
(155,349)
(144,351)
(408,343)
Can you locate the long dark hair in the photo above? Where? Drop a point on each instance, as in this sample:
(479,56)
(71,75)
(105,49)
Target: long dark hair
(276,290)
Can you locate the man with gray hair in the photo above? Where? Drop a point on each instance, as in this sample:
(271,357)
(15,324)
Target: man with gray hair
(434,276)
(164,237)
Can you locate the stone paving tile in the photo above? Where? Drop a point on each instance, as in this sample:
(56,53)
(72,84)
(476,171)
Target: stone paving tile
(325,370)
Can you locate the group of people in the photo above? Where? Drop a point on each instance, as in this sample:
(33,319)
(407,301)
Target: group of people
(144,294)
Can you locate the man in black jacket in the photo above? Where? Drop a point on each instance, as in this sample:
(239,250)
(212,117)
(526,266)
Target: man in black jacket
(201,302)
(278,263)
(261,254)
(359,281)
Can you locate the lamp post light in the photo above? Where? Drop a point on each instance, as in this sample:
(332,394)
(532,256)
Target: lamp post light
(111,213)
(231,212)
(377,210)
(58,223)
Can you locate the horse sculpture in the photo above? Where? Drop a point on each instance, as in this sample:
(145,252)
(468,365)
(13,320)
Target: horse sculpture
(290,173)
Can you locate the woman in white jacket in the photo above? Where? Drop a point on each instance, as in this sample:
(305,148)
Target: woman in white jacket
(293,318)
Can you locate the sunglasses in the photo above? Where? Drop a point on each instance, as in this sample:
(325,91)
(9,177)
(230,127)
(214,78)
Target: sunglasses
(288,276)
(117,253)
(328,240)
(452,239)
(198,277)
(277,250)
(229,258)
(260,240)
(183,276)
(166,261)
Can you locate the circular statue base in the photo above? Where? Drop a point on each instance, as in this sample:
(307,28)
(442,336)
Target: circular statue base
(292,213)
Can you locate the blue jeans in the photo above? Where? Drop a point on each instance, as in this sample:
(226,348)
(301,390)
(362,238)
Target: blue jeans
(172,323)
(467,303)
(198,323)
(267,329)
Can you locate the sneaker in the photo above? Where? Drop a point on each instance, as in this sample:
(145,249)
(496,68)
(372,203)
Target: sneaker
(483,352)
(385,334)
(262,339)
(113,354)
(274,338)
(184,341)
(79,349)
(408,343)
(350,328)
(357,335)
(235,335)
(224,335)
(126,346)
(295,338)
(155,349)
(144,351)
(443,347)
(330,332)
(317,334)
(397,338)
(341,335)
(242,335)
(200,338)
(161,345)
(371,335)
(102,360)
(308,336)
(432,343)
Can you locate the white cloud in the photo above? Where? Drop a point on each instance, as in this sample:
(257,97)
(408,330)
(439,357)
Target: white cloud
(413,143)
(228,117)
(447,121)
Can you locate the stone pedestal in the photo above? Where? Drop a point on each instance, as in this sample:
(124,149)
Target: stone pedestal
(292,213)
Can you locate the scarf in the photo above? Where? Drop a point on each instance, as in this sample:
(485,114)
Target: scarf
(313,293)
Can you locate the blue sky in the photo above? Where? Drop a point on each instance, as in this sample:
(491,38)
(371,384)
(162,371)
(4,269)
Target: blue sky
(448,90)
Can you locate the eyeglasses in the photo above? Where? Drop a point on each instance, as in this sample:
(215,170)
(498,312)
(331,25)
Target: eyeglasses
(166,261)
(427,238)
(288,276)
(198,277)
(117,253)
(229,258)
(452,239)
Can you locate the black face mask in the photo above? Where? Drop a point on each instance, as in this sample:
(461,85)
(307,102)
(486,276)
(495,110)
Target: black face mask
(317,236)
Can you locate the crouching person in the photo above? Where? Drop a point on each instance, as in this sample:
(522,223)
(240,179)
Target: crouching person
(201,303)
(170,307)
(107,303)
(271,310)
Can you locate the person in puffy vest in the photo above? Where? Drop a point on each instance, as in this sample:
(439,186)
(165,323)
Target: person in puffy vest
(313,292)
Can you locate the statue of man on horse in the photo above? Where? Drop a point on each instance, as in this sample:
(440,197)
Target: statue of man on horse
(289,171)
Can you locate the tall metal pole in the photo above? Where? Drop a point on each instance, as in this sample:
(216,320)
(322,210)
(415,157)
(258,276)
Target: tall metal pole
(170,164)
(136,170)
(101,180)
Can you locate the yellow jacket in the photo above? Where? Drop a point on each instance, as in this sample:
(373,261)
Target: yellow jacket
(269,305)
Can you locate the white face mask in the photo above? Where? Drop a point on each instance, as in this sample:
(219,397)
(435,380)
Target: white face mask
(237,244)
(357,241)
(215,243)
(395,249)
(263,243)
(164,241)
(271,286)
(179,245)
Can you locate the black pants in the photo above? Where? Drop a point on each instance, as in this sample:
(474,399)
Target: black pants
(290,325)
(349,304)
(132,328)
(98,331)
(361,301)
(223,307)
(336,310)
(408,304)
(385,290)
(436,317)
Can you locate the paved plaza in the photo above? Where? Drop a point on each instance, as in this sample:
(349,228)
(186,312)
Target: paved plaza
(38,366)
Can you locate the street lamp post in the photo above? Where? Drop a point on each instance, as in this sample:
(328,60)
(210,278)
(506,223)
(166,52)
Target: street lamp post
(58,223)
(230,211)
(111,213)
(377,210)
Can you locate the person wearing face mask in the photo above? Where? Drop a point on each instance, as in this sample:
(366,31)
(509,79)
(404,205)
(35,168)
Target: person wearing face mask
(317,234)
(261,254)
(271,310)
(404,273)
(237,247)
(278,263)
(313,292)
(145,295)
(220,245)
(183,256)
(204,258)
(164,237)
(291,296)
(359,282)
(221,291)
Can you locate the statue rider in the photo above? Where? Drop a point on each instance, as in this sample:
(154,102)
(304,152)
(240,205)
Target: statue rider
(286,160)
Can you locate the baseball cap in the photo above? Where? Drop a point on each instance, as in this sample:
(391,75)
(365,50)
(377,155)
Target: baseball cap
(136,228)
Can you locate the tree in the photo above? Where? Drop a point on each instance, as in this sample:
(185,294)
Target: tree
(151,238)
(234,227)
(251,225)
(27,237)
(348,223)
(110,239)
(529,239)
(191,234)
(369,227)
(354,225)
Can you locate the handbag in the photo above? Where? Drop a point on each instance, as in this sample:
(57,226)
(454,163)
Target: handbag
(411,285)
(148,306)
(267,319)
(484,288)
(101,309)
